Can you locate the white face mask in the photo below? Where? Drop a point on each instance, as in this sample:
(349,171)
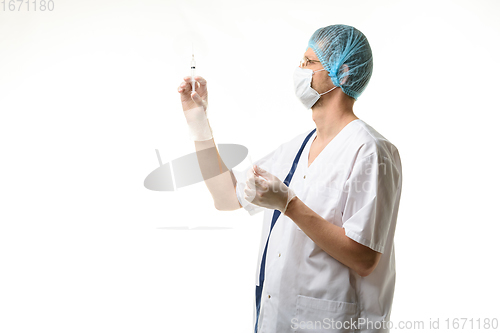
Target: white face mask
(302,78)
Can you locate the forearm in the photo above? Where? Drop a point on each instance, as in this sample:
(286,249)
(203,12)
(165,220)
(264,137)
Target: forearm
(332,239)
(218,179)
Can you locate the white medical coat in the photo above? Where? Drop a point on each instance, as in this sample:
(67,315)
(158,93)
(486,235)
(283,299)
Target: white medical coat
(354,183)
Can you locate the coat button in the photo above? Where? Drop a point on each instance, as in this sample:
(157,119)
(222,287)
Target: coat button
(279,254)
(269,296)
(304,176)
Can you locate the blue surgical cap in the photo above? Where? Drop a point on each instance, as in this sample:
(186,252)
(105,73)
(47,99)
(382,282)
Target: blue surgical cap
(346,54)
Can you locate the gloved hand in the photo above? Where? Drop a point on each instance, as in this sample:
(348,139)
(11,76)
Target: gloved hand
(192,100)
(195,106)
(266,190)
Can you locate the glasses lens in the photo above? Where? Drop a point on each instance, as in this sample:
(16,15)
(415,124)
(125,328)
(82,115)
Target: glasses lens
(303,62)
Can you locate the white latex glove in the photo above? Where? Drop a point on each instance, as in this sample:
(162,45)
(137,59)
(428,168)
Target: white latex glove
(191,100)
(195,106)
(266,190)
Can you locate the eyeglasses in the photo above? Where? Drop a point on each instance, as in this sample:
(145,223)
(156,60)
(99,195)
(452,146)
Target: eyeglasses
(306,62)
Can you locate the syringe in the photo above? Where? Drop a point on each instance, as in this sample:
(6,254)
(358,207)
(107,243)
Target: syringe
(193,67)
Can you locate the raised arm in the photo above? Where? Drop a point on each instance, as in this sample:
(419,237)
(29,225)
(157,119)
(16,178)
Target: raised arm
(219,180)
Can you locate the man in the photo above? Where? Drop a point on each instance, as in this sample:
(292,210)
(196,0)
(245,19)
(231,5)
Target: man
(330,198)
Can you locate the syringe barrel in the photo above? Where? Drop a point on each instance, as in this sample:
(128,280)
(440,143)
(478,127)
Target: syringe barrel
(193,82)
(193,70)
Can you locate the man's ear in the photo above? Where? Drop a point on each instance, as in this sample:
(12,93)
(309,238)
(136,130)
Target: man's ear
(345,70)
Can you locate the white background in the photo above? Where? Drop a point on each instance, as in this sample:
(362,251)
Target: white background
(88,91)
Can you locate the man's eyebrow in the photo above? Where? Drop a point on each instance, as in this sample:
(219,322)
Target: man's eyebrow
(311,58)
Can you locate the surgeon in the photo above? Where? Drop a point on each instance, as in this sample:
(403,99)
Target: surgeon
(330,198)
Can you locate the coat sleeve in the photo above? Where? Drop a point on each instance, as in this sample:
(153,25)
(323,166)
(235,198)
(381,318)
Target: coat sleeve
(373,190)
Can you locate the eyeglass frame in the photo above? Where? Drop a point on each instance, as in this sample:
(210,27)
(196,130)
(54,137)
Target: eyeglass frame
(304,62)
